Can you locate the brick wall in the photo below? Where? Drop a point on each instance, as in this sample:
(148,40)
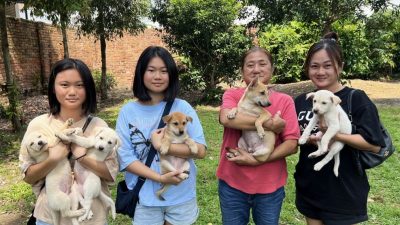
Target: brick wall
(35,46)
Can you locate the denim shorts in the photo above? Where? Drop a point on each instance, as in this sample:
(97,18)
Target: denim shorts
(236,206)
(182,214)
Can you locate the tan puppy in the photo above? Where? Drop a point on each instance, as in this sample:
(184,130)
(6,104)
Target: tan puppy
(260,143)
(57,180)
(175,133)
(99,147)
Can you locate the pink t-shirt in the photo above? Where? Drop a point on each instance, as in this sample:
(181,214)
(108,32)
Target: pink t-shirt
(267,177)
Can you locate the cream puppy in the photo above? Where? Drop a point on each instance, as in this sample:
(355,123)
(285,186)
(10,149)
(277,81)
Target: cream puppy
(99,147)
(326,106)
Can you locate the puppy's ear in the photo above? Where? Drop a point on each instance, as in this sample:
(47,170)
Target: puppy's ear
(254,83)
(167,118)
(336,100)
(98,131)
(189,119)
(310,95)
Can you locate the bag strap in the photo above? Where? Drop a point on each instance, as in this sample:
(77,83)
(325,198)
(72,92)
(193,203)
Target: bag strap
(90,117)
(349,104)
(152,151)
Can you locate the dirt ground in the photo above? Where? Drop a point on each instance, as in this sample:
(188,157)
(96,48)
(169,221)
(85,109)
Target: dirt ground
(382,93)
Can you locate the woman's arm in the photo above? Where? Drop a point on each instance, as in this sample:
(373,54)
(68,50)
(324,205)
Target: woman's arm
(285,149)
(247,122)
(142,170)
(357,141)
(98,167)
(40,170)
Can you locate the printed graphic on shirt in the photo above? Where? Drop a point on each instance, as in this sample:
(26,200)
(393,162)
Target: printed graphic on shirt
(141,145)
(304,118)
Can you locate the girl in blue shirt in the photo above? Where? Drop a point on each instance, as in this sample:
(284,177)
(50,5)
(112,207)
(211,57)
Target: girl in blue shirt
(155,83)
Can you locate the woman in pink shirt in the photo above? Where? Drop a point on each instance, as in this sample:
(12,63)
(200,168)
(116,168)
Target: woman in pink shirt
(246,184)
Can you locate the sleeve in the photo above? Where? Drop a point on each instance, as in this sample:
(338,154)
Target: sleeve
(288,113)
(125,152)
(366,118)
(195,129)
(230,99)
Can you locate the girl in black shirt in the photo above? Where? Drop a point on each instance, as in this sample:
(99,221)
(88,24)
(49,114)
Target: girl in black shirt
(321,197)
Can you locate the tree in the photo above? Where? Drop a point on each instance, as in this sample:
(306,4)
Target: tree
(322,12)
(59,12)
(12,91)
(205,33)
(108,19)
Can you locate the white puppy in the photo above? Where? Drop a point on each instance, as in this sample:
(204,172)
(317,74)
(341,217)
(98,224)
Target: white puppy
(99,147)
(56,180)
(326,106)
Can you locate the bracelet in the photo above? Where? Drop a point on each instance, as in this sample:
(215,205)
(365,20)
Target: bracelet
(77,159)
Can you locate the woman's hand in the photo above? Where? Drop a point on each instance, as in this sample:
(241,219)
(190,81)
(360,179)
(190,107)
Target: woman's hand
(171,178)
(275,124)
(241,157)
(58,152)
(156,137)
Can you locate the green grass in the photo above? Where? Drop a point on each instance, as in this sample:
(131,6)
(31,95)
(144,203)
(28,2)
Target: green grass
(383,208)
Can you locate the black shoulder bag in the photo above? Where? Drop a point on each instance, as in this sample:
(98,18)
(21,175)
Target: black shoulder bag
(126,200)
(366,159)
(32,219)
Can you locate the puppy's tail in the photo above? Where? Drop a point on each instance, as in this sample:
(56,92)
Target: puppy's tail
(161,191)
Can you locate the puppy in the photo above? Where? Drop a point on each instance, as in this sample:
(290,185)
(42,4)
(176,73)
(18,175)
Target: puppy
(99,147)
(260,143)
(56,180)
(175,132)
(326,106)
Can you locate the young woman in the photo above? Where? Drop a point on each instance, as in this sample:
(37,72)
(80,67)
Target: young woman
(155,83)
(71,94)
(322,197)
(244,182)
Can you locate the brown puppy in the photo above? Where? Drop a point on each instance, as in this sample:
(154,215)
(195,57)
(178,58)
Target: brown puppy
(175,133)
(260,143)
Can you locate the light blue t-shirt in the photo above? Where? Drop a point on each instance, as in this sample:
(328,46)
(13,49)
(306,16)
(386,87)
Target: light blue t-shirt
(135,124)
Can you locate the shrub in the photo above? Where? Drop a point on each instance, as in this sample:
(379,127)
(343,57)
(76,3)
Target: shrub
(110,80)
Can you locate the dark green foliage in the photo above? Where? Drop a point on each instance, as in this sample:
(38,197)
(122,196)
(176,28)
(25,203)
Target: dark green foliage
(110,81)
(204,33)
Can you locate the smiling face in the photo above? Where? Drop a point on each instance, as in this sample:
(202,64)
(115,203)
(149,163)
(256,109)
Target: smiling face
(323,71)
(256,64)
(70,90)
(156,78)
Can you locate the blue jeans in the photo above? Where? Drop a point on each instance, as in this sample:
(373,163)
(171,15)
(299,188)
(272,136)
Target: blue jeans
(236,205)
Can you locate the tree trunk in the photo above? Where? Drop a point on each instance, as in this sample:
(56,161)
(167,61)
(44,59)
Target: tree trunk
(64,25)
(103,83)
(12,91)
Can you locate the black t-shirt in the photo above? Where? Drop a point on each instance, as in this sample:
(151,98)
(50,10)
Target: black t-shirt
(348,193)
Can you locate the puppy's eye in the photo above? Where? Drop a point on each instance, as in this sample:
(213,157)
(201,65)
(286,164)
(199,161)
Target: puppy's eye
(184,123)
(315,101)
(101,138)
(323,103)
(31,144)
(262,92)
(40,136)
(109,142)
(176,123)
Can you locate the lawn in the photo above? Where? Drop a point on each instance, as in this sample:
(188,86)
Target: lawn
(384,202)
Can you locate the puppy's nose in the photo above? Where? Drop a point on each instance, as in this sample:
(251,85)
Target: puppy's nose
(181,132)
(40,143)
(269,104)
(101,148)
(315,111)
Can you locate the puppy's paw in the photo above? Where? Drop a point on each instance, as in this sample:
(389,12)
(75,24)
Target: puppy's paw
(184,176)
(164,150)
(302,140)
(194,149)
(73,131)
(261,134)
(318,166)
(314,154)
(232,114)
(69,122)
